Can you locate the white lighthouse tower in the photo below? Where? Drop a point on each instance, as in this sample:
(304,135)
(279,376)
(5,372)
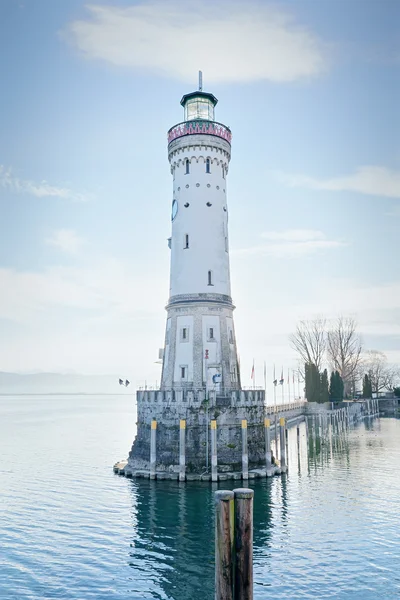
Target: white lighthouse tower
(200,345)
(200,411)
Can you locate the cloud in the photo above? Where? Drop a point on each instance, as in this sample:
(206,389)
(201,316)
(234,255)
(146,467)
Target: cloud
(106,288)
(103,318)
(66,240)
(393,212)
(39,190)
(294,235)
(229,41)
(371,180)
(292,243)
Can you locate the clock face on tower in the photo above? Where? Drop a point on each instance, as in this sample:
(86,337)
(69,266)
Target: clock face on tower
(174,209)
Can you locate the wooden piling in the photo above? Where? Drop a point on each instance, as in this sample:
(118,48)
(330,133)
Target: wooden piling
(243,568)
(245,456)
(276,435)
(267,432)
(182,452)
(282,436)
(214,460)
(224,548)
(153,453)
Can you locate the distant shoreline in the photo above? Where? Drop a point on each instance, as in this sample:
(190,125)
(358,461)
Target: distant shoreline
(65,394)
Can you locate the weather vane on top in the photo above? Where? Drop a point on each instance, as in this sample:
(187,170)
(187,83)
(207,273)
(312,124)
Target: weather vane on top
(200,81)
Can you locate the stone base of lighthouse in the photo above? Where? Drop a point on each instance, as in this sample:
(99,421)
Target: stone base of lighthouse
(163,412)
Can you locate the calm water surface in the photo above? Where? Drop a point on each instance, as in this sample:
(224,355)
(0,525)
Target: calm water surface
(70,528)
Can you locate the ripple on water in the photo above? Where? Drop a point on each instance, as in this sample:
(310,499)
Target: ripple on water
(71,529)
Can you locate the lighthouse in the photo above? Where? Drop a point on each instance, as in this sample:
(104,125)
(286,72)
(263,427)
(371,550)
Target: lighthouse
(200,422)
(200,343)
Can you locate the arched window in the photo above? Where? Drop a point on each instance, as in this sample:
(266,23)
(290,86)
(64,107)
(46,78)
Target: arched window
(208,166)
(210,278)
(223,172)
(187,166)
(186,245)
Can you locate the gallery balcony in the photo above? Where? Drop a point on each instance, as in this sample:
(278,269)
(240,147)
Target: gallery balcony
(199,126)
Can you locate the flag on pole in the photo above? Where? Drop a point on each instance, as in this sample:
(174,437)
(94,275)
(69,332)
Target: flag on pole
(252,370)
(282,380)
(275,379)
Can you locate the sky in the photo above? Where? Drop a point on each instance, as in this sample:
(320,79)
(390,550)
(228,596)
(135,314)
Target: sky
(310,90)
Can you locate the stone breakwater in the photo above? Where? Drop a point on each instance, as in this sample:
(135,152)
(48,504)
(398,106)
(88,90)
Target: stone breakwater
(184,436)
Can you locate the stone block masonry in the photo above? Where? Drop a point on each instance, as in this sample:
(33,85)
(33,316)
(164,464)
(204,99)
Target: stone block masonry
(223,446)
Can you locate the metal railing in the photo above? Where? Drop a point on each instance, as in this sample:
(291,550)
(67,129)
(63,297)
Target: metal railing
(271,409)
(200,126)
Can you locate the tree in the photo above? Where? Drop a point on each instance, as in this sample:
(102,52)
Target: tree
(344,350)
(336,387)
(324,387)
(312,382)
(309,341)
(396,391)
(367,387)
(381,375)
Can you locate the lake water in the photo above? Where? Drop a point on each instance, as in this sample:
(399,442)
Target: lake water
(71,529)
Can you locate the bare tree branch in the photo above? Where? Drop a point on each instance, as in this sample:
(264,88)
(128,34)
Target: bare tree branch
(344,349)
(382,375)
(309,341)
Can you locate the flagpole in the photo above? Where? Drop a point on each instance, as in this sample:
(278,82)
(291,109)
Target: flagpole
(276,418)
(265,383)
(294,386)
(282,380)
(288,382)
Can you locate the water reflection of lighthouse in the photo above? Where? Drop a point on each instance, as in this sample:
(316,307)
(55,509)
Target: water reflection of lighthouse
(173,529)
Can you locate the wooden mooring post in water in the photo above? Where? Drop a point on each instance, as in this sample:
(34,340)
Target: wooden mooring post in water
(234,544)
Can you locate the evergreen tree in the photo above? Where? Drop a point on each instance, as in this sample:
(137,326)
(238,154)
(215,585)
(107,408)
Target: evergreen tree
(324,387)
(340,385)
(332,387)
(367,387)
(396,391)
(336,388)
(312,383)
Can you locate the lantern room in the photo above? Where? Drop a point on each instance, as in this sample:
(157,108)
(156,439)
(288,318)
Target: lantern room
(199,105)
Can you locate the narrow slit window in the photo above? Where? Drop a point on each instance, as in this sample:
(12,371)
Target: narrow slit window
(184,333)
(187,166)
(210,278)
(208,166)
(183,372)
(211,333)
(186,244)
(223,172)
